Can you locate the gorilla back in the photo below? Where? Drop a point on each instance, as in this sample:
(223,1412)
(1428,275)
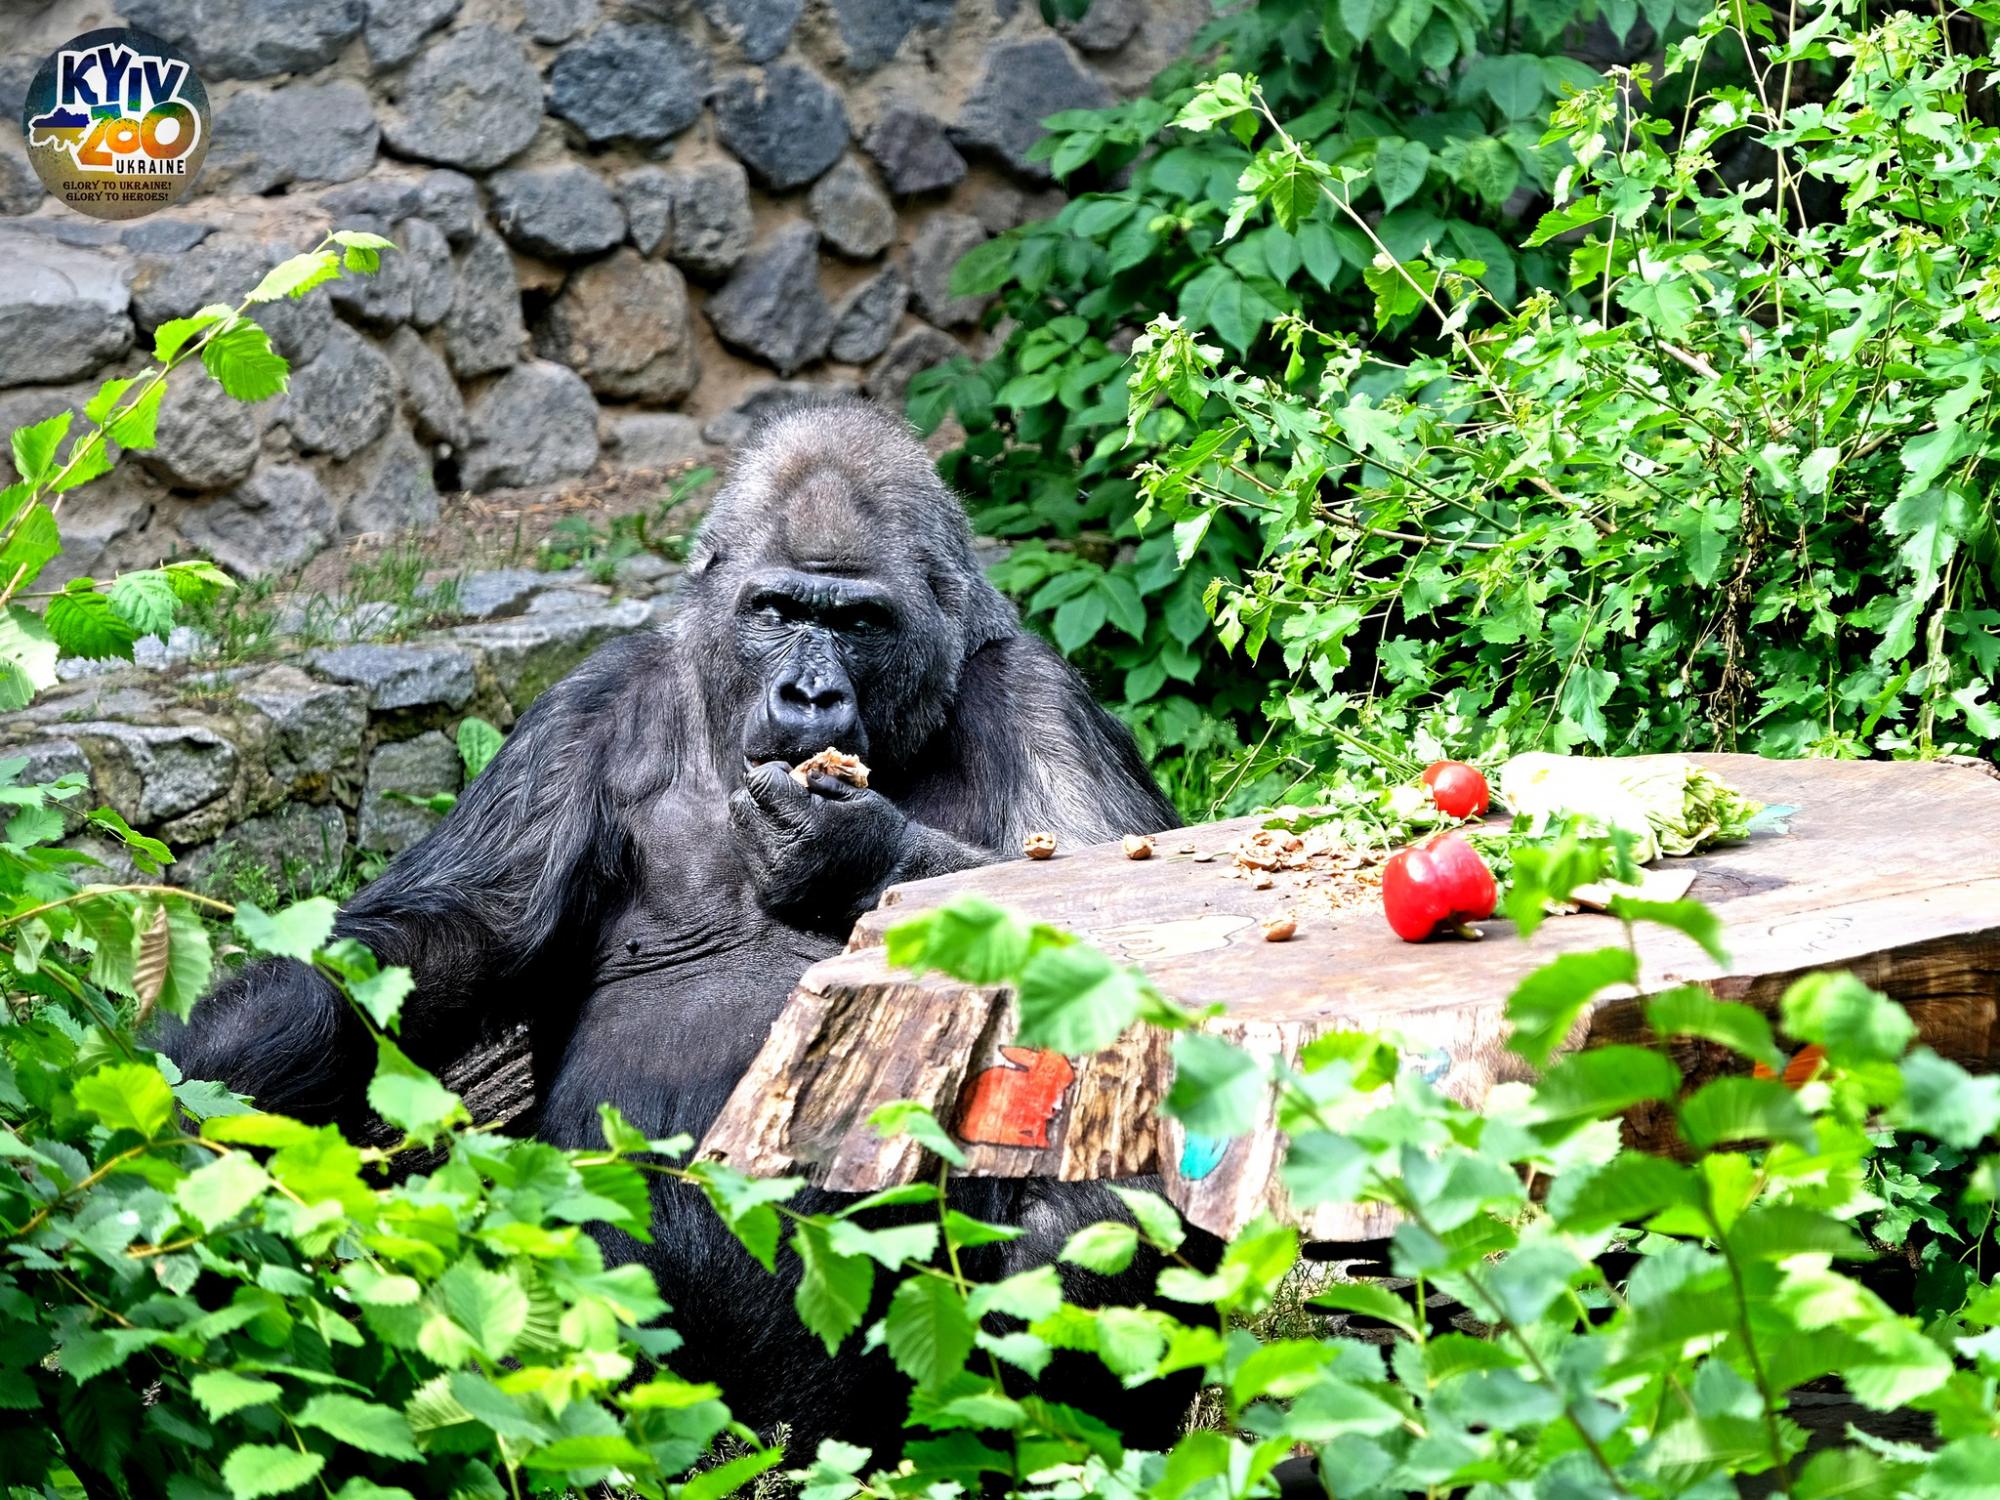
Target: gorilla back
(639,878)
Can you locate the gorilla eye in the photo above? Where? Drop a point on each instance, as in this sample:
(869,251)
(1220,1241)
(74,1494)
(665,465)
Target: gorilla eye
(774,608)
(866,619)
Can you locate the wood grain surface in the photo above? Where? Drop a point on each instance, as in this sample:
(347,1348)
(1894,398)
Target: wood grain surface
(1891,870)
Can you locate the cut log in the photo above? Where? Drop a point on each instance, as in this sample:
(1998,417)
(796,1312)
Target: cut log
(1890,870)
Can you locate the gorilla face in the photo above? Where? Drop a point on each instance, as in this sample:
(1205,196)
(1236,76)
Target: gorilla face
(834,596)
(837,661)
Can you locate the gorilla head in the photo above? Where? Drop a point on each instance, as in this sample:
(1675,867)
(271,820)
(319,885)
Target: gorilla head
(834,597)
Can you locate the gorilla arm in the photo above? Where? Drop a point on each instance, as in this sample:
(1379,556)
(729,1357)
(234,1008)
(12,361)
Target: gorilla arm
(469,910)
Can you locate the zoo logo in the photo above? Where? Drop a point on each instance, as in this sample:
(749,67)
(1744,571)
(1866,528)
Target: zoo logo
(117,123)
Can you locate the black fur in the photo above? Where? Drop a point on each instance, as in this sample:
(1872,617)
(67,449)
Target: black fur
(622,878)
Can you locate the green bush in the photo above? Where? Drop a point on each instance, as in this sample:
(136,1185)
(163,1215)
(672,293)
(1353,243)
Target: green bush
(1439,108)
(1740,498)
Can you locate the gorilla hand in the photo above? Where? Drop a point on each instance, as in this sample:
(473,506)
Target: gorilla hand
(818,854)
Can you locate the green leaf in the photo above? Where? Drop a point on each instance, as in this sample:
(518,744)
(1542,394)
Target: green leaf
(35,541)
(1159,1221)
(1546,1005)
(1399,169)
(478,743)
(1692,1011)
(833,1290)
(1690,918)
(1729,1110)
(1943,1101)
(1218,1088)
(907,1117)
(84,624)
(299,931)
(145,601)
(223,1392)
(258,1469)
(218,1192)
(137,426)
(1075,1000)
(28,656)
(727,1478)
(244,364)
(35,447)
(1601,1082)
(1369,1301)
(408,1097)
(380,1430)
(928,1330)
(127,1096)
(295,277)
(1628,1189)
(1855,1024)
(170,338)
(489,1305)
(1105,1247)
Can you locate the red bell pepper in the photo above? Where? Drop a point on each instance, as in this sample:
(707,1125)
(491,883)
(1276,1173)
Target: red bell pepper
(1441,882)
(1458,789)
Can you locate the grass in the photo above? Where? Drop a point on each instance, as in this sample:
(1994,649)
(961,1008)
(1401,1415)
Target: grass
(577,542)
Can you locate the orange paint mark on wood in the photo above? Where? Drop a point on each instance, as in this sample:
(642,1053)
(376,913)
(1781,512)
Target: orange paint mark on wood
(1806,1064)
(1012,1105)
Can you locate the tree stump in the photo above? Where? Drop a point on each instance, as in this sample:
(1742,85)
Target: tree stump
(1890,870)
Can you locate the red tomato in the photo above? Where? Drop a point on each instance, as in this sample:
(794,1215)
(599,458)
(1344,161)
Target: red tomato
(1441,882)
(1458,789)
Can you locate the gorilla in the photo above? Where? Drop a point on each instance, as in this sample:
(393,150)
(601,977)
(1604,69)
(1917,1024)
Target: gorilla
(638,877)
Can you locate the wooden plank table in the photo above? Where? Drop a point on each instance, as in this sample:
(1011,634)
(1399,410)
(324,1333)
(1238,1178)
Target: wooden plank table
(1889,870)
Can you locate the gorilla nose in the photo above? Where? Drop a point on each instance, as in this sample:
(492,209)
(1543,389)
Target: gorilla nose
(813,713)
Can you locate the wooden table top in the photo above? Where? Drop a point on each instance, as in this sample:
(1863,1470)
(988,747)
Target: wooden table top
(1891,870)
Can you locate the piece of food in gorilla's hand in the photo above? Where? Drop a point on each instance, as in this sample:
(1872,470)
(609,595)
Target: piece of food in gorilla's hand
(831,762)
(1138,846)
(1039,846)
(1281,929)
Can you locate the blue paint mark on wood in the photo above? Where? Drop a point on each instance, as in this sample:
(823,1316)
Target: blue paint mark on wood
(1201,1154)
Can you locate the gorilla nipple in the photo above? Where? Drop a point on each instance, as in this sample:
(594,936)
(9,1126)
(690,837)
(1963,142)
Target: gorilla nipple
(632,946)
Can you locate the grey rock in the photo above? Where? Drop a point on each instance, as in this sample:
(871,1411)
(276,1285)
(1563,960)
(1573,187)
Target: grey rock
(658,440)
(854,215)
(556,20)
(251,38)
(63,313)
(646,195)
(276,519)
(786,125)
(528,655)
(872,30)
(567,601)
(387,491)
(562,213)
(638,82)
(421,767)
(865,319)
(625,325)
(430,395)
(406,676)
(415,283)
(48,760)
(912,354)
(536,425)
(733,428)
(913,152)
(151,772)
(644,573)
(497,592)
(472,100)
(1000,208)
(484,330)
(164,236)
(384,200)
(397,28)
(1023,84)
(450,200)
(342,399)
(222,268)
(21,191)
(944,238)
(759,28)
(303,132)
(315,726)
(711,226)
(1105,27)
(772,308)
(300,848)
(206,440)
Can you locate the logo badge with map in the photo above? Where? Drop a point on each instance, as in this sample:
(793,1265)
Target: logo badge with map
(117,123)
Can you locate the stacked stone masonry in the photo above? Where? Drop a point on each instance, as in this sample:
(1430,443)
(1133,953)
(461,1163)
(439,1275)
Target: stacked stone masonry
(626,225)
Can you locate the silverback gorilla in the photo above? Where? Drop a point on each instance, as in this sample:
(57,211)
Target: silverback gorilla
(640,879)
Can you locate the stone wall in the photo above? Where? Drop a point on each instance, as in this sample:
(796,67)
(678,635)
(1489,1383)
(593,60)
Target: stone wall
(625,225)
(284,764)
